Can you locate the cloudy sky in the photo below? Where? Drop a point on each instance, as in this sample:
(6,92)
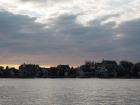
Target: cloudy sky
(51,32)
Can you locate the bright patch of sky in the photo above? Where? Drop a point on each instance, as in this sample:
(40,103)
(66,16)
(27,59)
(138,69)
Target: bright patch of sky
(46,11)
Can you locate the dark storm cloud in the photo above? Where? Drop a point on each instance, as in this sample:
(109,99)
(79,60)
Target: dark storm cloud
(20,35)
(99,39)
(17,30)
(131,32)
(131,38)
(92,38)
(65,41)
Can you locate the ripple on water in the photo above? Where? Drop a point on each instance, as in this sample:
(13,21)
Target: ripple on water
(69,92)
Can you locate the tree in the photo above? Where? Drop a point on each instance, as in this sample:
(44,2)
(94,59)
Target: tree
(136,70)
(127,67)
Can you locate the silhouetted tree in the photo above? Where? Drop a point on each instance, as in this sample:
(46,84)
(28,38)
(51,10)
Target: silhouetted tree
(63,70)
(1,71)
(72,73)
(53,72)
(126,67)
(136,70)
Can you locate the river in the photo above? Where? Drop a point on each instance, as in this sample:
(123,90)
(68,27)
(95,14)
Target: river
(70,91)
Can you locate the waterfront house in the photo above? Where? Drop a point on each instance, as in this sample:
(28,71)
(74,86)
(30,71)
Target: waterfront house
(28,70)
(86,70)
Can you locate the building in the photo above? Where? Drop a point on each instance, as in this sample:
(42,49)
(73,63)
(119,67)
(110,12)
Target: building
(106,68)
(86,70)
(28,70)
(111,66)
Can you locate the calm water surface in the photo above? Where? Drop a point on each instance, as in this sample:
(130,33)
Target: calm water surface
(69,92)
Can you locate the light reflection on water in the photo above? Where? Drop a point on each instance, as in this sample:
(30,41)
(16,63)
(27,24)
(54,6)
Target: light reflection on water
(69,92)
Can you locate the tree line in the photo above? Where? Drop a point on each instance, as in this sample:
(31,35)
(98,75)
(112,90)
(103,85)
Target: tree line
(91,69)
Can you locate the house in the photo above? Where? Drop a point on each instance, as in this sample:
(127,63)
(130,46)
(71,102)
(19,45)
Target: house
(43,72)
(101,71)
(106,68)
(28,70)
(86,70)
(111,66)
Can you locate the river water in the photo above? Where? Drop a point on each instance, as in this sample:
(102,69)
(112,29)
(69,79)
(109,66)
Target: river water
(69,91)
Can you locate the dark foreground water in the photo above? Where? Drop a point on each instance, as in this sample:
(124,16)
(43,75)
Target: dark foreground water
(69,92)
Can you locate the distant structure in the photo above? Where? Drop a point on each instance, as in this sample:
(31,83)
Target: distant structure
(104,69)
(87,70)
(28,70)
(111,67)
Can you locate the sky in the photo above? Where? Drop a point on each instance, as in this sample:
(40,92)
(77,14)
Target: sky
(51,32)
